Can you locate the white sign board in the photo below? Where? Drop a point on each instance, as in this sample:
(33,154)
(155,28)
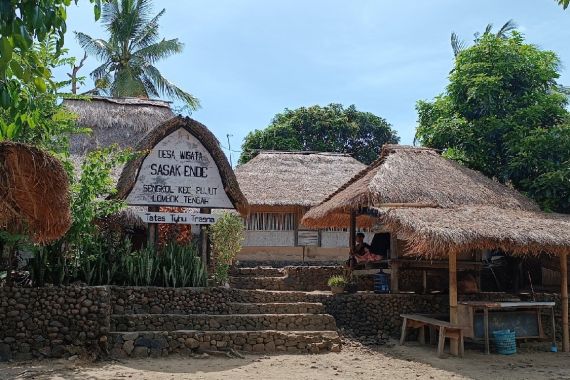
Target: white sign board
(179,171)
(308,238)
(177,218)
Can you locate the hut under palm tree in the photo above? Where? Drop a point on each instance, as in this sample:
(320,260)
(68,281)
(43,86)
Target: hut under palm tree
(280,187)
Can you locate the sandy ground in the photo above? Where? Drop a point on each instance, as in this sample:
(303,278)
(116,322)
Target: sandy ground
(354,362)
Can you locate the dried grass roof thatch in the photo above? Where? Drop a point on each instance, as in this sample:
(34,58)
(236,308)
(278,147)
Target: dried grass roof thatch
(121,121)
(206,137)
(34,194)
(434,232)
(414,176)
(295,178)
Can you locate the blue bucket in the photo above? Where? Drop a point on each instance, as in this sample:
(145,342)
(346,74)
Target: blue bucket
(381,283)
(505,342)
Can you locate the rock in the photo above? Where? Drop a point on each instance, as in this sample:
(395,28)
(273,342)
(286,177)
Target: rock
(155,310)
(128,346)
(270,347)
(259,347)
(5,352)
(130,335)
(192,343)
(140,352)
(57,351)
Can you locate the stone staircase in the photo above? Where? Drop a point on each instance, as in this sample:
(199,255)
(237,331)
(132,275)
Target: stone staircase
(260,321)
(300,278)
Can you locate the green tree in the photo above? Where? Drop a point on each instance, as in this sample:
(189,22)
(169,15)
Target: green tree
(131,52)
(22,24)
(564,3)
(332,128)
(503,113)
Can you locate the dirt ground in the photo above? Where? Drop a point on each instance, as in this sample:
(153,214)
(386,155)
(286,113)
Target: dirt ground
(354,362)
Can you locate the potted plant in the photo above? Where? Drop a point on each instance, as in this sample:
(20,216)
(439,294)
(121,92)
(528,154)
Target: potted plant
(337,284)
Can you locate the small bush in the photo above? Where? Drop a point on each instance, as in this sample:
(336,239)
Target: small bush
(337,281)
(226,236)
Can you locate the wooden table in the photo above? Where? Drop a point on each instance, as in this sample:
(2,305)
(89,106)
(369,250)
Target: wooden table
(446,330)
(467,314)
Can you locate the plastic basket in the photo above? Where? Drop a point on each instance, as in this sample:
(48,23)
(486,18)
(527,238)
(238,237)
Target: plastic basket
(505,342)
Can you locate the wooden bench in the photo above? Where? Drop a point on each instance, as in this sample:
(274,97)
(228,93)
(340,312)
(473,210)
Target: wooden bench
(446,330)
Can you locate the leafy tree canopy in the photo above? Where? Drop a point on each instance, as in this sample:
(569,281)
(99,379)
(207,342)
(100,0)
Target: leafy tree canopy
(504,113)
(564,3)
(332,128)
(131,52)
(22,23)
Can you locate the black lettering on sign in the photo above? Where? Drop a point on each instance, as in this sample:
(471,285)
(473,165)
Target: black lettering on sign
(157,198)
(195,171)
(195,200)
(158,189)
(191,155)
(184,189)
(166,170)
(165,154)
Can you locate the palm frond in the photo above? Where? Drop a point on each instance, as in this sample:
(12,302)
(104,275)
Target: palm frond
(96,47)
(564,3)
(509,26)
(169,89)
(127,83)
(457,44)
(149,34)
(159,50)
(101,71)
(488,29)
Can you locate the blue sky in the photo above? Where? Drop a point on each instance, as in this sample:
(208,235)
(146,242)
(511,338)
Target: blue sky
(247,60)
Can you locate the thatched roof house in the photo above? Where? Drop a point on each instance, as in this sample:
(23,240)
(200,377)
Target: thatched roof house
(34,194)
(121,121)
(294,179)
(441,206)
(280,187)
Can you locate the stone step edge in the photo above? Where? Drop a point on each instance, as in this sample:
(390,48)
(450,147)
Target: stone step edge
(249,278)
(276,303)
(218,315)
(323,333)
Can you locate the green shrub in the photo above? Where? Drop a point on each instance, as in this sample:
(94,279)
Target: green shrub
(226,236)
(337,281)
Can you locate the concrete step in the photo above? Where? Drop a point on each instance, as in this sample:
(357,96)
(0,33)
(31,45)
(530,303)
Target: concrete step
(231,322)
(277,308)
(266,283)
(162,343)
(258,272)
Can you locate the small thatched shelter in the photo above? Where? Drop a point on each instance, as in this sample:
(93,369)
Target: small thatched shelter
(436,208)
(34,193)
(280,187)
(230,185)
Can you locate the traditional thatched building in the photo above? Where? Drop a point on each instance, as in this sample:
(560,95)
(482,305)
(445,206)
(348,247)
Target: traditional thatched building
(280,187)
(120,121)
(34,193)
(437,209)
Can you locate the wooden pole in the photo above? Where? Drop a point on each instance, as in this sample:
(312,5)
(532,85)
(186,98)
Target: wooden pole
(453,343)
(153,229)
(352,231)
(204,240)
(564,301)
(394,266)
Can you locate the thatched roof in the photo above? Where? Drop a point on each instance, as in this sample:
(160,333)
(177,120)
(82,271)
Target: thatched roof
(415,177)
(121,121)
(202,133)
(434,232)
(34,193)
(294,178)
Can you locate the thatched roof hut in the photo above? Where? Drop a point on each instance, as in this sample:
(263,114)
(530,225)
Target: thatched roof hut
(294,178)
(34,194)
(206,137)
(441,207)
(121,121)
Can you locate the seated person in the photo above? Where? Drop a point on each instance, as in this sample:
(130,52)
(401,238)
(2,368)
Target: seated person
(368,256)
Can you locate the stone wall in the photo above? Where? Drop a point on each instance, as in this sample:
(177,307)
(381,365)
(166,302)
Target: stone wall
(52,322)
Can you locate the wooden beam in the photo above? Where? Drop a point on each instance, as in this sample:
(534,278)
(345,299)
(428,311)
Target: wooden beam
(453,318)
(153,229)
(352,231)
(394,265)
(404,205)
(564,301)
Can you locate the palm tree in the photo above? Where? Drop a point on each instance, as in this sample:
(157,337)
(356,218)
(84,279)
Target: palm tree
(130,53)
(458,45)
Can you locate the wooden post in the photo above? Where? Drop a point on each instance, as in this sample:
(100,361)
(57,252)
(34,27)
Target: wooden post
(453,343)
(352,231)
(204,240)
(153,229)
(564,301)
(394,266)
